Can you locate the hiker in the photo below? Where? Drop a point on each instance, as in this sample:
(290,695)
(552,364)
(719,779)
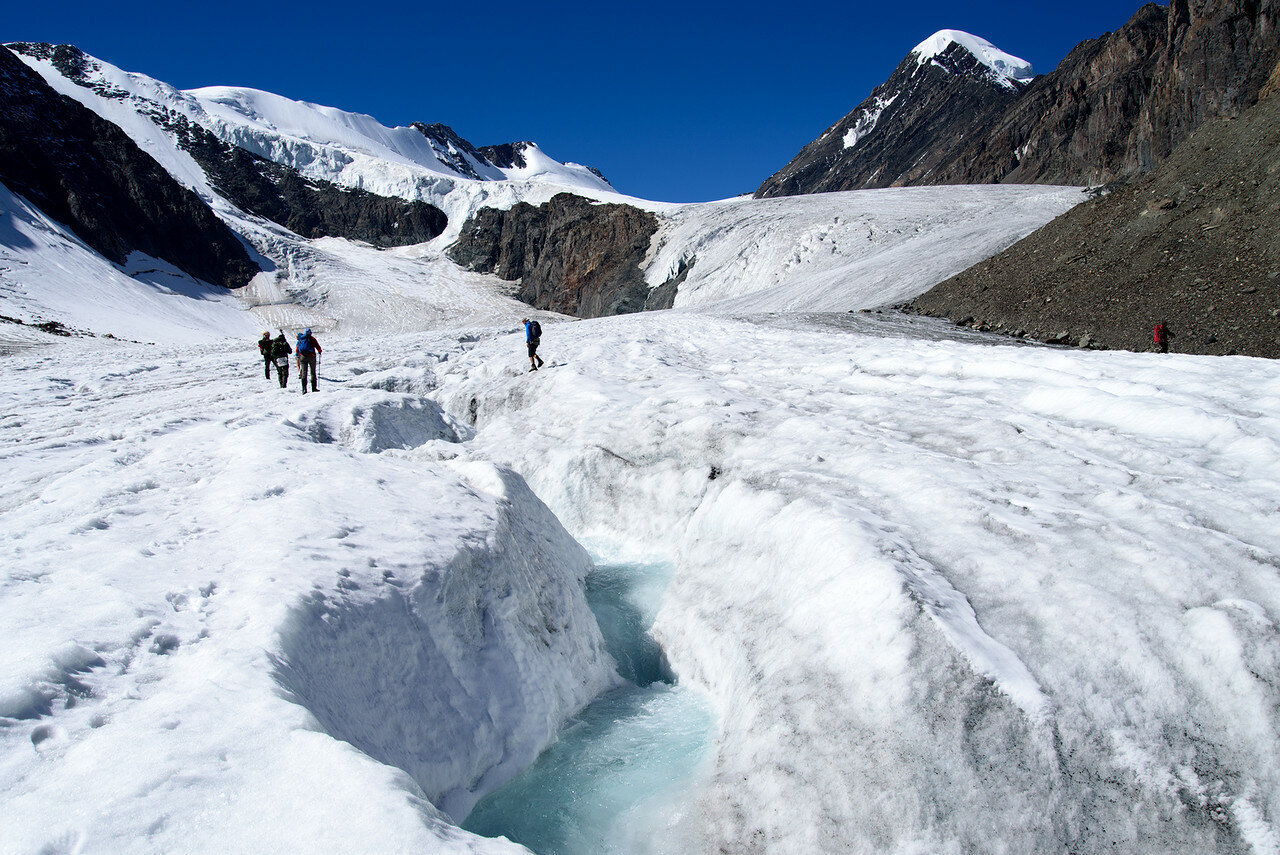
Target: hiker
(1162,335)
(266,348)
(308,359)
(280,351)
(532,335)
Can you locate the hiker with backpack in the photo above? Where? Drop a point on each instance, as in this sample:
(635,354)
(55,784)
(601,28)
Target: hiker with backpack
(308,356)
(532,335)
(1161,337)
(280,351)
(266,348)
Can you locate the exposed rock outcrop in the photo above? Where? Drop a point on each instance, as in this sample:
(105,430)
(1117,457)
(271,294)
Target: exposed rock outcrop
(570,255)
(1194,243)
(1116,106)
(455,152)
(1077,124)
(85,172)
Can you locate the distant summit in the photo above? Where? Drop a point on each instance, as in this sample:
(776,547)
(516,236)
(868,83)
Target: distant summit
(948,87)
(1006,70)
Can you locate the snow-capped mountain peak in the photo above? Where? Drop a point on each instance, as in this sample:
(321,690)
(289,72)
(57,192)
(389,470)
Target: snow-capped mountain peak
(1006,70)
(943,91)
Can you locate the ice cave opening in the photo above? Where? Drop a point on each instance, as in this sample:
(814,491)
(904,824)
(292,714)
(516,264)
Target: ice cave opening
(622,774)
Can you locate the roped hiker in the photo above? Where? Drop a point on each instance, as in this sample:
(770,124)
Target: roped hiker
(280,351)
(1161,336)
(308,359)
(265,347)
(532,336)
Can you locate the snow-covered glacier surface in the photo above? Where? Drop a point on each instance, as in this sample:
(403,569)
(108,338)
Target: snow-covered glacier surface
(237,620)
(947,594)
(942,593)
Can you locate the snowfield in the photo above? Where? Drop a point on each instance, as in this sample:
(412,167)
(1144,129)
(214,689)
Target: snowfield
(946,594)
(207,586)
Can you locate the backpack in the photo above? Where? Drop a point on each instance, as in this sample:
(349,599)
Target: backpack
(535,329)
(305,343)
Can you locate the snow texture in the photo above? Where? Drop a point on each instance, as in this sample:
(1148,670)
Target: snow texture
(229,615)
(1006,70)
(948,595)
(841,251)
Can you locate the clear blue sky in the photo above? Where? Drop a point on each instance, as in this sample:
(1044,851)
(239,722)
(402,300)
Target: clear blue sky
(673,101)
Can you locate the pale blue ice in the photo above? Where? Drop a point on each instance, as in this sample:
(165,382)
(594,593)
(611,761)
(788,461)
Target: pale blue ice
(622,773)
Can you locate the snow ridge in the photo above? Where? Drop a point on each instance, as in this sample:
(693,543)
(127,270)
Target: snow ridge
(1006,70)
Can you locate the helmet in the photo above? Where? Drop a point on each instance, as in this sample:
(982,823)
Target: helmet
(307,331)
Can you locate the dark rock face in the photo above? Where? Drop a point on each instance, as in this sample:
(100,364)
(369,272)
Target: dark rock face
(506,155)
(85,172)
(914,123)
(571,255)
(1116,106)
(1194,244)
(1076,125)
(454,151)
(307,206)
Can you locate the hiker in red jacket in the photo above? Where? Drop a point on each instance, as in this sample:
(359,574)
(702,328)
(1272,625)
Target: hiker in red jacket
(1162,335)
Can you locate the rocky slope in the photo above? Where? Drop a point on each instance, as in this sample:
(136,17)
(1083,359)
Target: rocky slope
(1194,243)
(1116,106)
(914,123)
(85,172)
(570,255)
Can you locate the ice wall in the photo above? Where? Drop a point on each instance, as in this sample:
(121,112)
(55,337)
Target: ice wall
(462,673)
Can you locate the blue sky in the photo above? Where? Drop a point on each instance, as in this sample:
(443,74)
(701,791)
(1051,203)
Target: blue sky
(674,101)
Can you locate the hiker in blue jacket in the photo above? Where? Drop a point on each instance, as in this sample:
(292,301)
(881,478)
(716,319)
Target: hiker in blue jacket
(532,335)
(308,356)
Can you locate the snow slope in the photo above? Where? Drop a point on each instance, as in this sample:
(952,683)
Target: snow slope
(48,274)
(841,251)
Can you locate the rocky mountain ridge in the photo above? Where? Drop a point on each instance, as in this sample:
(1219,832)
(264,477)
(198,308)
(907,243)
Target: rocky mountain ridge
(307,206)
(914,123)
(1116,106)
